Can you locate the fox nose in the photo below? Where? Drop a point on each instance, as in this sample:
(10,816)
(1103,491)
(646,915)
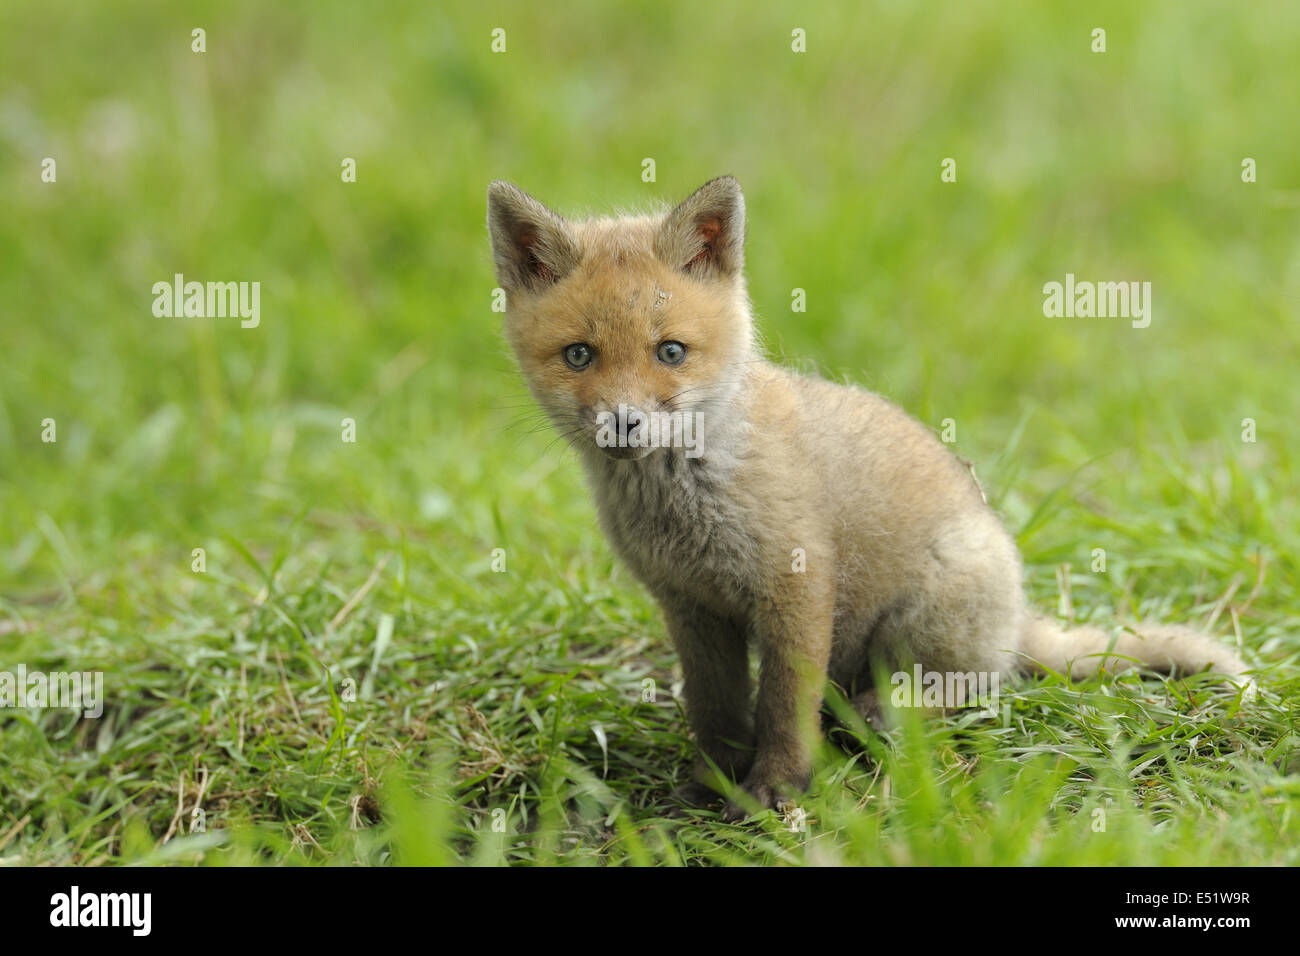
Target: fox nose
(630,418)
(623,431)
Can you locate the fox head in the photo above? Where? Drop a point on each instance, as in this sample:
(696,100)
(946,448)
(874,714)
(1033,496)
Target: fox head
(624,326)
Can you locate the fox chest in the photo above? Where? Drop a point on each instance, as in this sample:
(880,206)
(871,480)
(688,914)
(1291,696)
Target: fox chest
(681,530)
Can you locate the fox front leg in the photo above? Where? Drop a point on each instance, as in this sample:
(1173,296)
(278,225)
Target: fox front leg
(794,637)
(715,665)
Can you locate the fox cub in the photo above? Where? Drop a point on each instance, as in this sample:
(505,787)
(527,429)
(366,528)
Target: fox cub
(815,523)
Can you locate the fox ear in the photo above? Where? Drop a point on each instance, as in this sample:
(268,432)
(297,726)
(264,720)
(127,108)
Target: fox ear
(533,247)
(705,235)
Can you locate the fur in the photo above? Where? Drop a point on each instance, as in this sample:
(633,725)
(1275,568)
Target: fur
(904,561)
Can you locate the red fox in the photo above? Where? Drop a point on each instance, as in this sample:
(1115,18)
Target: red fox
(816,523)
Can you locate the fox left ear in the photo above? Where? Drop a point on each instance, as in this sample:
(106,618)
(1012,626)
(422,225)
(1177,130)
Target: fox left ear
(705,235)
(533,247)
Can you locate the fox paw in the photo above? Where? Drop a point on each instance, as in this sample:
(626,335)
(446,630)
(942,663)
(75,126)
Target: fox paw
(754,798)
(695,794)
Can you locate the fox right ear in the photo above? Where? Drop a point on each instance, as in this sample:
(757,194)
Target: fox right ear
(705,235)
(533,247)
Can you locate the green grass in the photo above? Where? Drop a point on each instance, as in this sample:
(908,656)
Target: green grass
(517,697)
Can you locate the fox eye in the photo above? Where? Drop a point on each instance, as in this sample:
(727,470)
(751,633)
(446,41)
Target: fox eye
(577,356)
(671,353)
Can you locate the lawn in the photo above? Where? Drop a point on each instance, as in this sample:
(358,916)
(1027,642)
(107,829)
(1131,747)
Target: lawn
(416,646)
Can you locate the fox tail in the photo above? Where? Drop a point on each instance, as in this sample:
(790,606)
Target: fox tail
(1170,648)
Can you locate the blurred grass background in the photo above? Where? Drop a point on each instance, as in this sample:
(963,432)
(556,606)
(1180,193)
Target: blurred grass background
(175,434)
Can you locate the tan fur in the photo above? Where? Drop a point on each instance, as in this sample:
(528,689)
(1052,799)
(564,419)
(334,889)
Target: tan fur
(905,562)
